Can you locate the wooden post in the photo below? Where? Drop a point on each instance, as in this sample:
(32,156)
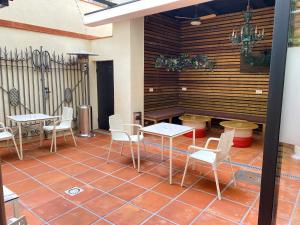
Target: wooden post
(2,207)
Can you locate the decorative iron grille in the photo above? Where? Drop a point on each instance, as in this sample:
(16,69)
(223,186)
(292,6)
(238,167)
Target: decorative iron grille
(35,81)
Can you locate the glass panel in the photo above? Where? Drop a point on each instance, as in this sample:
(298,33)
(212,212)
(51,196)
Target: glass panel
(295,24)
(288,211)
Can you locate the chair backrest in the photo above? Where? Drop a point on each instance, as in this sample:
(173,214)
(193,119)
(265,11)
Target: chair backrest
(18,221)
(224,146)
(116,123)
(2,126)
(67,117)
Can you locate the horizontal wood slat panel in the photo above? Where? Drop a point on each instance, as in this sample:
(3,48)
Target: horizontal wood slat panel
(225,89)
(162,36)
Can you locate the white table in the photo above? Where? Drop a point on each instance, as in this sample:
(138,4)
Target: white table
(10,196)
(167,130)
(20,119)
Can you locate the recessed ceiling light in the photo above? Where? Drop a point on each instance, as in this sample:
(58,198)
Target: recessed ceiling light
(195,22)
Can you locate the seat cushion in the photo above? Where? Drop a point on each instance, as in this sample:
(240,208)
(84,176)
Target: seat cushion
(5,135)
(206,156)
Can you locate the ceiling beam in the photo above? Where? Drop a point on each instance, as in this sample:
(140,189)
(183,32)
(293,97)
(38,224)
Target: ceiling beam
(207,9)
(258,4)
(136,9)
(105,2)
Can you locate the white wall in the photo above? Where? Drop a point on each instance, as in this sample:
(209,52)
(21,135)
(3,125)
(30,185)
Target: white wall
(14,38)
(57,14)
(126,49)
(290,120)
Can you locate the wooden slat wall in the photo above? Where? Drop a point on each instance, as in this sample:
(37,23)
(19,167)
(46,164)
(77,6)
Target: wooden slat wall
(225,89)
(161,37)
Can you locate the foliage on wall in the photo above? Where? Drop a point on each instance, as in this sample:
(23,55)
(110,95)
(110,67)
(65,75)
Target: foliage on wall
(183,61)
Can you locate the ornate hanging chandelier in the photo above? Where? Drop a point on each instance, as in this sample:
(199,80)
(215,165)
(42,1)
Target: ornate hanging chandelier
(248,35)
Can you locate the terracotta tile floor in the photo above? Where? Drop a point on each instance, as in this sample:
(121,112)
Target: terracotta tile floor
(115,193)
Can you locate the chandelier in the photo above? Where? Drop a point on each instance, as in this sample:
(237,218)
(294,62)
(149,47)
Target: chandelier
(248,35)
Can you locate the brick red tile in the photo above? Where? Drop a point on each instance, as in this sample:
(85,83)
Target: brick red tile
(53,208)
(228,210)
(179,213)
(127,191)
(104,204)
(151,201)
(78,216)
(107,183)
(128,214)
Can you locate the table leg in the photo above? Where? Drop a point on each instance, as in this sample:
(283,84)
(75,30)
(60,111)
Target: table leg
(41,134)
(162,148)
(171,160)
(194,143)
(15,205)
(194,137)
(20,140)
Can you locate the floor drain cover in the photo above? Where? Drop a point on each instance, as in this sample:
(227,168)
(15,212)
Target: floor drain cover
(248,177)
(74,191)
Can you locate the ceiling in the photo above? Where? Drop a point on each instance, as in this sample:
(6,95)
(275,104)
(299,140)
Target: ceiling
(219,7)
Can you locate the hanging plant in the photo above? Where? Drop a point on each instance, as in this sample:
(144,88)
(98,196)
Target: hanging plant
(183,61)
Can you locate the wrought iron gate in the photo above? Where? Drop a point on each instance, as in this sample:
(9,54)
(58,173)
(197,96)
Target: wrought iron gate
(35,81)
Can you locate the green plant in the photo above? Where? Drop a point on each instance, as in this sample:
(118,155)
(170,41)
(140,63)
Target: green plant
(183,61)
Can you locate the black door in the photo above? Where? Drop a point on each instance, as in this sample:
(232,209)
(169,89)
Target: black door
(105,87)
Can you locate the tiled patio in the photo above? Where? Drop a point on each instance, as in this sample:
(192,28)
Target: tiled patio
(115,193)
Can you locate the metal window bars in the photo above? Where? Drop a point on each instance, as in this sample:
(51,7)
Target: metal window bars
(35,81)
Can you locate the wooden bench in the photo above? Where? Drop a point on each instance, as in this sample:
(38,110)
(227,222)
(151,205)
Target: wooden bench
(163,114)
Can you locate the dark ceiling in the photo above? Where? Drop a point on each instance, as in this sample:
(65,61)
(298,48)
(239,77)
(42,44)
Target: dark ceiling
(219,7)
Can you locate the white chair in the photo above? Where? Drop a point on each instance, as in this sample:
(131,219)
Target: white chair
(118,133)
(6,134)
(62,125)
(213,156)
(17,221)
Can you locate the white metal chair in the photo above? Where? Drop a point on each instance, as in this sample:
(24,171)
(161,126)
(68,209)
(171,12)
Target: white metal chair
(17,221)
(118,133)
(62,125)
(213,156)
(7,134)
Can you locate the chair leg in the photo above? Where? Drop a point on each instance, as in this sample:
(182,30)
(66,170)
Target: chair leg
(122,146)
(144,145)
(55,141)
(162,148)
(73,137)
(233,178)
(110,147)
(185,170)
(132,154)
(217,183)
(64,133)
(15,144)
(52,142)
(139,156)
